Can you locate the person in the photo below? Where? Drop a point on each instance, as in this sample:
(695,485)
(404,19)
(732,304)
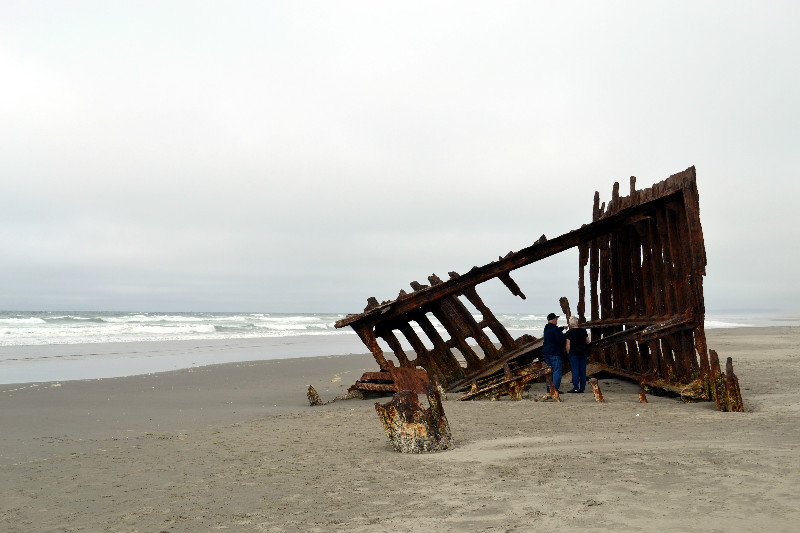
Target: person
(553,341)
(578,352)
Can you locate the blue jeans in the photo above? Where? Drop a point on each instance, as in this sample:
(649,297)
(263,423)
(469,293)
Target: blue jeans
(554,362)
(578,365)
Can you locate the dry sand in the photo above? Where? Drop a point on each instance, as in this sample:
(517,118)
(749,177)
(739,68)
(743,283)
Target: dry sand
(237,447)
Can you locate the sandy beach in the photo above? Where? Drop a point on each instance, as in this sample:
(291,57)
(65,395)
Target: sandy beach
(236,446)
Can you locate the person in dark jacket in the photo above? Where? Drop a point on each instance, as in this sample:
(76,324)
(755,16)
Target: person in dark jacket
(551,348)
(578,351)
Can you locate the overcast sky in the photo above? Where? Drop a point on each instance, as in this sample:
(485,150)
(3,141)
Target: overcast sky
(297,156)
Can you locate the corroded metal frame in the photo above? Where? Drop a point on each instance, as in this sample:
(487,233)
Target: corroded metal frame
(646,260)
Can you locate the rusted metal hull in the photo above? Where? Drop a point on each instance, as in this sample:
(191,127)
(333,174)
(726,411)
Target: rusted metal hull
(645,257)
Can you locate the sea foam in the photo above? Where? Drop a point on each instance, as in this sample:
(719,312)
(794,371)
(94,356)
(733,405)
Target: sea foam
(42,328)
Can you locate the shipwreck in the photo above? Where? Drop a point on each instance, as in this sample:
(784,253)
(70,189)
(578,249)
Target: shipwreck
(646,261)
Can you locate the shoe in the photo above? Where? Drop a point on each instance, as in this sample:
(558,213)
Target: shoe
(581,391)
(573,391)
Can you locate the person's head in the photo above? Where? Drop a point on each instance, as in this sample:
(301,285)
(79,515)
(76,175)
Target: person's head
(552,318)
(573,322)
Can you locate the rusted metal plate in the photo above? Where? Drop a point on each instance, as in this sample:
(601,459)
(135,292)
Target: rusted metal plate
(411,379)
(646,260)
(376,376)
(395,379)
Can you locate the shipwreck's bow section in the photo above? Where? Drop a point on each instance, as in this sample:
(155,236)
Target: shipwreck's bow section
(646,261)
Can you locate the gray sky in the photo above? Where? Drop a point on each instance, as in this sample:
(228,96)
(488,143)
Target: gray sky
(300,156)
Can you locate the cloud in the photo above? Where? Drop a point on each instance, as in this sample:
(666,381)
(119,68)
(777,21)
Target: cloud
(303,157)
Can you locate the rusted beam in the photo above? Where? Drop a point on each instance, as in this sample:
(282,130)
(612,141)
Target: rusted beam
(583,260)
(388,335)
(512,286)
(489,320)
(526,350)
(637,307)
(732,388)
(551,388)
(441,354)
(598,394)
(512,383)
(702,349)
(718,383)
(468,327)
(454,325)
(424,358)
(594,271)
(367,336)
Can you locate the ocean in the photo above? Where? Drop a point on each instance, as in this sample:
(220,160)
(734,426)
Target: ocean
(57,346)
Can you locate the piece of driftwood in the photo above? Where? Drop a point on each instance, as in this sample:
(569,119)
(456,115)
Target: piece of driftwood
(644,309)
(598,394)
(642,397)
(412,429)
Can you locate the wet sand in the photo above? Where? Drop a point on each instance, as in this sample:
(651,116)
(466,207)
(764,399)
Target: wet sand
(237,447)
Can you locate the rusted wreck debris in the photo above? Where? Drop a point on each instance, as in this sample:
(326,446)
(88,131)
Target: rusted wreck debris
(646,261)
(412,429)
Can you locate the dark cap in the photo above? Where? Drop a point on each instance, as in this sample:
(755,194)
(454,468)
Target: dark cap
(551,316)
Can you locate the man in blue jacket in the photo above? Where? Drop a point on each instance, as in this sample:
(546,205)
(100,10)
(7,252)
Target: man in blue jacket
(551,349)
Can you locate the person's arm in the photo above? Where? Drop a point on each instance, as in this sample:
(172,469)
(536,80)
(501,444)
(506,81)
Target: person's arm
(567,345)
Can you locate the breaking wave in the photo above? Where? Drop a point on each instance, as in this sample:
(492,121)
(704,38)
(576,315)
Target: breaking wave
(40,328)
